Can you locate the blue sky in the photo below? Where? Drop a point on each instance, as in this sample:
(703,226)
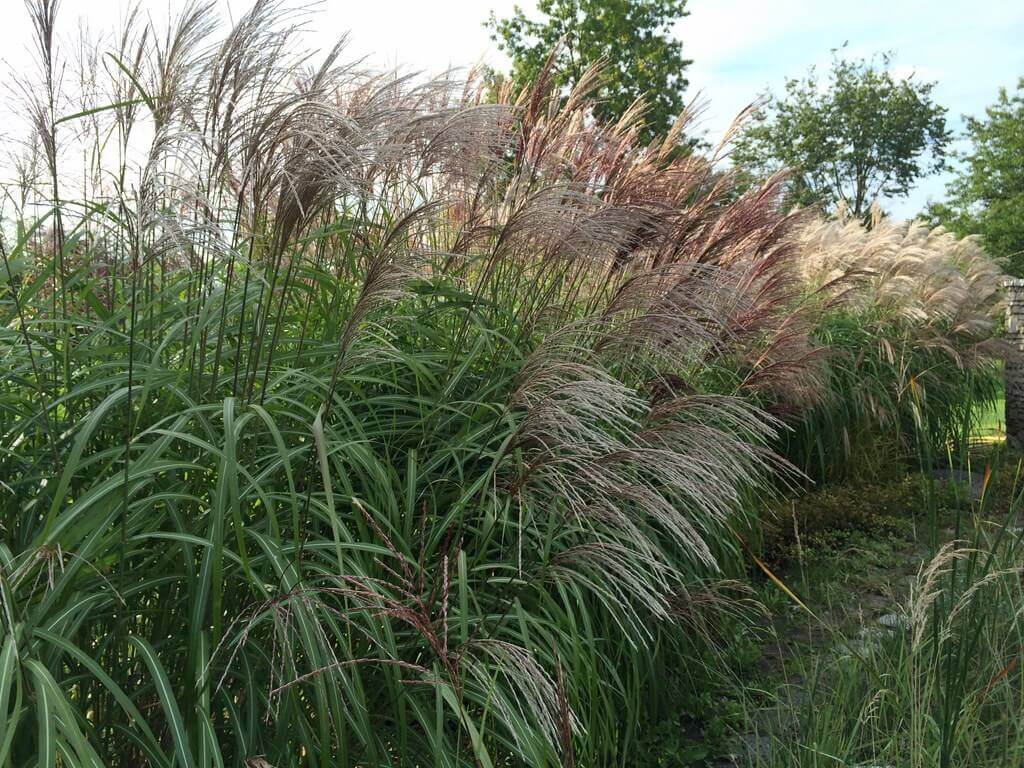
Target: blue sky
(740,48)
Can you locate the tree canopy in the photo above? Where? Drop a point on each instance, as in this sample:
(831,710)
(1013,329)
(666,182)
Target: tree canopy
(986,197)
(631,38)
(866,134)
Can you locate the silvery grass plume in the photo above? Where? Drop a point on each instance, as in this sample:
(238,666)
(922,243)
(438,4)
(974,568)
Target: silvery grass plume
(943,287)
(908,318)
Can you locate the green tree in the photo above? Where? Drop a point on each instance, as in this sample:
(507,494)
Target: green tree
(986,197)
(631,37)
(867,134)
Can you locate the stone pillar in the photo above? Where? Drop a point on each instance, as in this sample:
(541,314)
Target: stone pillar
(1014,368)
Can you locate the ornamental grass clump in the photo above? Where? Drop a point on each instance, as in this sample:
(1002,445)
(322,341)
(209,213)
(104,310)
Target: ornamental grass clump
(348,418)
(908,320)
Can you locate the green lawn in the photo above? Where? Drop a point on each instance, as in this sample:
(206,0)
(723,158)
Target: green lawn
(992,421)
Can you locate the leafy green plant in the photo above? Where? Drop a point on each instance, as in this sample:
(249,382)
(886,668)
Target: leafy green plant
(821,520)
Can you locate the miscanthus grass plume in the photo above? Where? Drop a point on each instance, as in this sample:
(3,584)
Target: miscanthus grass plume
(909,322)
(355,419)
